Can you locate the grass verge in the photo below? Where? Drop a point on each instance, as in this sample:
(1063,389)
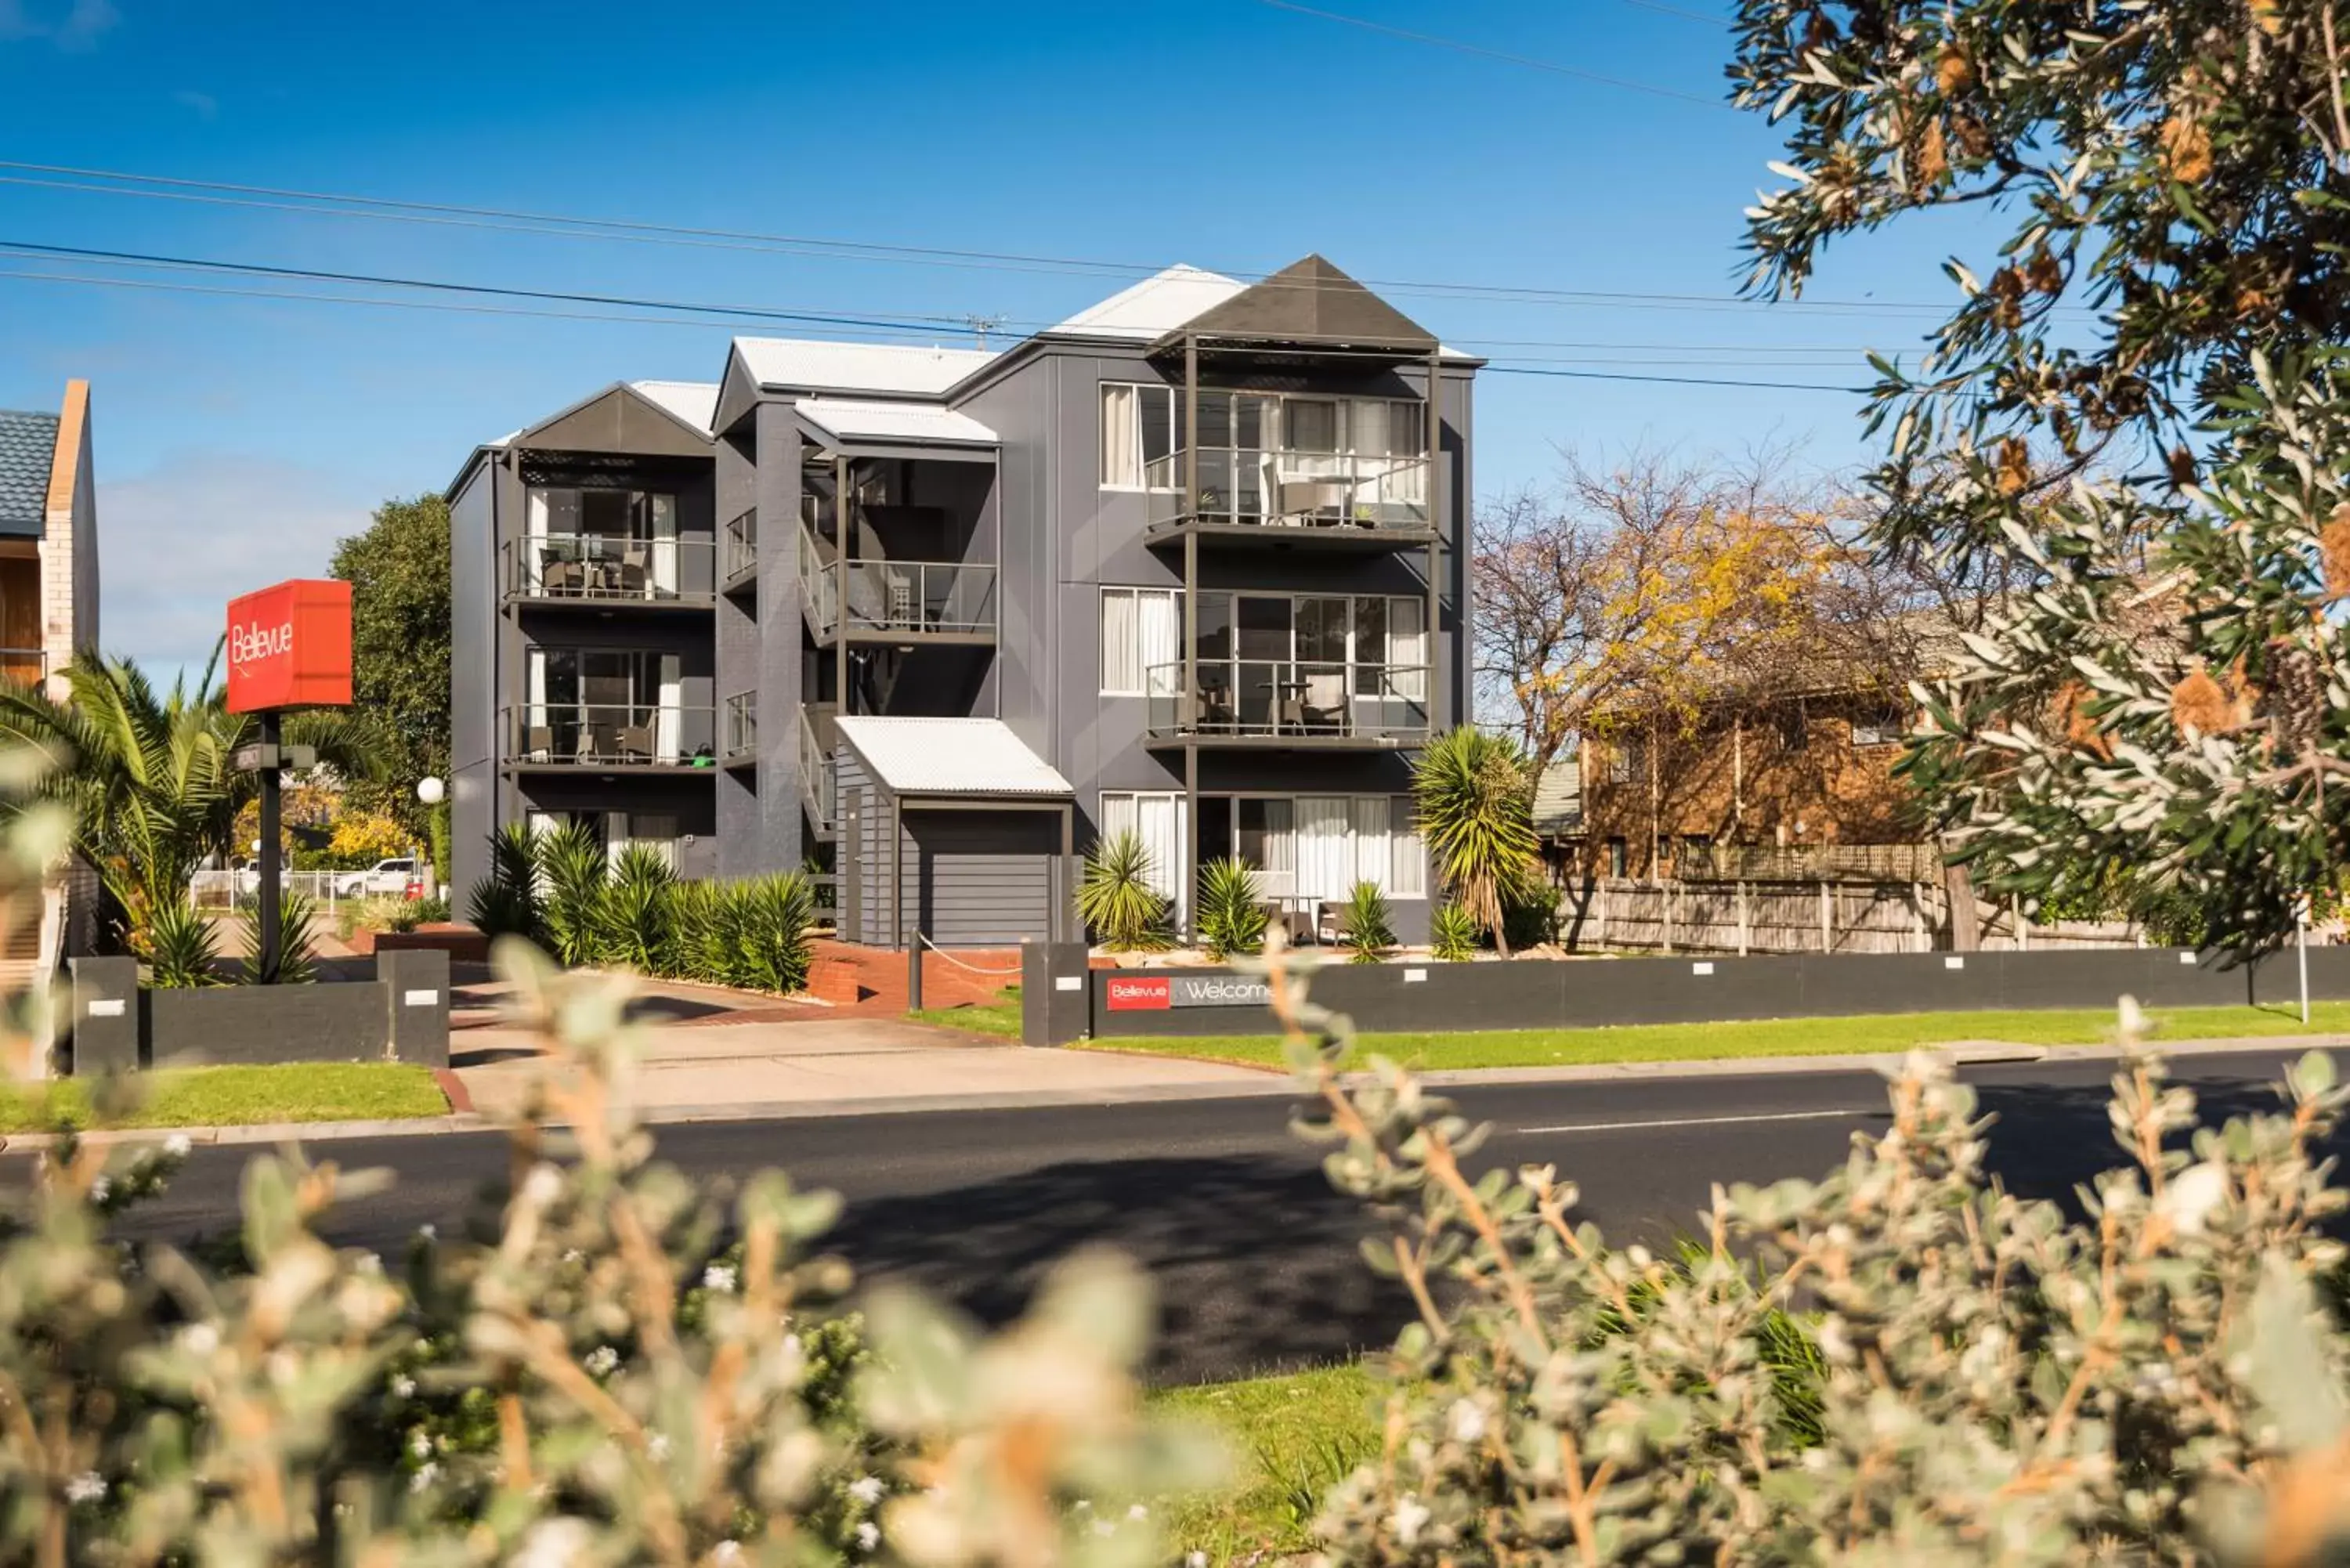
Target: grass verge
(1000,1016)
(1291,1438)
(236,1096)
(1771,1037)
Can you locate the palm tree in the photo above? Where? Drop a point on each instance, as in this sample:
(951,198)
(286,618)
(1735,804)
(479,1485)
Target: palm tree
(1475,810)
(152,778)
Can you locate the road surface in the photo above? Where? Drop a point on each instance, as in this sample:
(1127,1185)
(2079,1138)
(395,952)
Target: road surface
(1254,1255)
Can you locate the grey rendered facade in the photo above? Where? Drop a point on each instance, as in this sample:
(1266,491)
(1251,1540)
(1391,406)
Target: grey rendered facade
(1189,547)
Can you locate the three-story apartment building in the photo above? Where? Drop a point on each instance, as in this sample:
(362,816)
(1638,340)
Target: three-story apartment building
(1187,563)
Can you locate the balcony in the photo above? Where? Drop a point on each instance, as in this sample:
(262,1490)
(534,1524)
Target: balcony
(1338,500)
(815,775)
(611,737)
(1278,704)
(738,555)
(607,570)
(894,601)
(738,742)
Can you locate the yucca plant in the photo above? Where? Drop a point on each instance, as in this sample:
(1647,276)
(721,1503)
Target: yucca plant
(181,946)
(572,876)
(507,901)
(771,923)
(1365,925)
(1474,806)
(298,940)
(632,913)
(1452,934)
(692,945)
(1116,897)
(1231,918)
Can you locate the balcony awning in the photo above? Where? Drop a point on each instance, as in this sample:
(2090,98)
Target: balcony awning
(960,759)
(852,427)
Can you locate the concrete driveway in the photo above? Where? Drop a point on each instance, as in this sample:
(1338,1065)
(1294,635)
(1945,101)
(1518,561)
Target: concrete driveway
(712,1070)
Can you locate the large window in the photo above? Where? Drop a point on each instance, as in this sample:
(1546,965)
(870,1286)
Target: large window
(601,704)
(1142,429)
(1275,661)
(1311,849)
(1155,818)
(618,831)
(576,537)
(1142,641)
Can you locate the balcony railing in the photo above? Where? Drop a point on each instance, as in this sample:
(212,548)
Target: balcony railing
(611,735)
(909,599)
(608,568)
(740,738)
(1301,700)
(815,775)
(1278,489)
(739,555)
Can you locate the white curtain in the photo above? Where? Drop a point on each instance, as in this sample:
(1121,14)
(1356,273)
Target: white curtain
(1408,648)
(1121,437)
(1372,859)
(1157,821)
(534,541)
(1325,853)
(667,719)
(1162,643)
(664,573)
(1121,639)
(1408,878)
(535,715)
(1280,867)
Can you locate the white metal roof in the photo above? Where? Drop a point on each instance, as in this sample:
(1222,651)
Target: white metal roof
(808,365)
(694,403)
(846,420)
(1155,306)
(951,757)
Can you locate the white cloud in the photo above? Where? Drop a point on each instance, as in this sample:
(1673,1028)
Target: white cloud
(179,541)
(203,105)
(76,25)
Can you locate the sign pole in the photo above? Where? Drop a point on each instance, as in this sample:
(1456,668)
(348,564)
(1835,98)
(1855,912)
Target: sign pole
(270,931)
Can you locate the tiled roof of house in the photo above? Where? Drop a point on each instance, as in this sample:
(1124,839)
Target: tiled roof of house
(29,448)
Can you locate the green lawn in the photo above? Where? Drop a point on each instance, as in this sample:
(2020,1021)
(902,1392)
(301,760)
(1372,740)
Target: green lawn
(1774,1037)
(1290,1439)
(1001,1016)
(234,1097)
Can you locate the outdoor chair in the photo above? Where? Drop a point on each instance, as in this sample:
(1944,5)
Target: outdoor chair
(636,743)
(900,589)
(632,568)
(1325,704)
(1326,918)
(539,744)
(559,574)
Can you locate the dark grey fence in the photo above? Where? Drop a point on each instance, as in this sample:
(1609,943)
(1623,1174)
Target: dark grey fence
(1601,991)
(400,1015)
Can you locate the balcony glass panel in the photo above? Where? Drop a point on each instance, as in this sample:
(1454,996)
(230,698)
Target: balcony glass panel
(742,733)
(1293,488)
(1304,699)
(609,567)
(739,556)
(612,734)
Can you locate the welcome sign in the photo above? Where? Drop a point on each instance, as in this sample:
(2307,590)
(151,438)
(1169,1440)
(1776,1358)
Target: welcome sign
(290,646)
(1157,993)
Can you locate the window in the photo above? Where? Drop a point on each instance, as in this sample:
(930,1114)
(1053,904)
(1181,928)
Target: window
(570,534)
(600,704)
(1155,818)
(1882,728)
(1619,859)
(1142,642)
(1139,436)
(1312,848)
(1627,761)
(1407,868)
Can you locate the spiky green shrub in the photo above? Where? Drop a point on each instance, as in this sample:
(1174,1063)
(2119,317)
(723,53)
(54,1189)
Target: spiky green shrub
(572,872)
(1232,912)
(768,932)
(1473,802)
(1116,900)
(298,940)
(695,934)
(1365,924)
(183,948)
(1452,934)
(632,913)
(507,901)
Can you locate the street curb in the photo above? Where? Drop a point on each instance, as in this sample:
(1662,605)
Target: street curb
(266,1132)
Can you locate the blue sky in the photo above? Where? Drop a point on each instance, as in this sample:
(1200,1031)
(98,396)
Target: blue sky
(238,437)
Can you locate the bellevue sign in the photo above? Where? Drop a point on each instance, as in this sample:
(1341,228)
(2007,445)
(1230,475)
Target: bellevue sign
(290,646)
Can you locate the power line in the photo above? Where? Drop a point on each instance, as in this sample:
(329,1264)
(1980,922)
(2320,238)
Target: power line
(1661,9)
(280,199)
(1529,62)
(876,331)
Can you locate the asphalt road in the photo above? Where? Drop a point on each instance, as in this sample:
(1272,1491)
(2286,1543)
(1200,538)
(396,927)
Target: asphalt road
(1255,1257)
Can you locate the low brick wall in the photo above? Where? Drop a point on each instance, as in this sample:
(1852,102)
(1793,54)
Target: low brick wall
(399,1015)
(464,944)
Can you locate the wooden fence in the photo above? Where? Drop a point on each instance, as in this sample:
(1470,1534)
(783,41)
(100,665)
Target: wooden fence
(1627,914)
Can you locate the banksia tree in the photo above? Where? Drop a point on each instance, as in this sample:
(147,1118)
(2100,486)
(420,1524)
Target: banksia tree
(2138,404)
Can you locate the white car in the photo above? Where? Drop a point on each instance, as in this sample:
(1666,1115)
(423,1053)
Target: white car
(385,876)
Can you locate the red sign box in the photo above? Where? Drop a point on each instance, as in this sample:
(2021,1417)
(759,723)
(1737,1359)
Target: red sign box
(290,646)
(1144,993)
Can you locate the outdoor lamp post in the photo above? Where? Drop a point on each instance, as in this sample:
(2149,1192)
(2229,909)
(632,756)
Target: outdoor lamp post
(431,790)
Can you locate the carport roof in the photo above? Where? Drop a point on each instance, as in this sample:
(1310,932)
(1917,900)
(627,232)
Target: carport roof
(980,758)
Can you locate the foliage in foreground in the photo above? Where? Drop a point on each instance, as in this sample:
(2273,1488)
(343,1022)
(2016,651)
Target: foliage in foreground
(1994,1378)
(560,890)
(613,1366)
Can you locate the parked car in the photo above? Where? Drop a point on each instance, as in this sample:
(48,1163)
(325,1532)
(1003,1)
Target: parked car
(397,879)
